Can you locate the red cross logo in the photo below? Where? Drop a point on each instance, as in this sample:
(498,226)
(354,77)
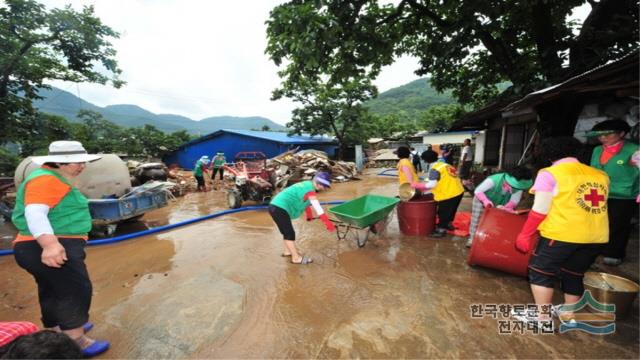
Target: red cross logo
(594,197)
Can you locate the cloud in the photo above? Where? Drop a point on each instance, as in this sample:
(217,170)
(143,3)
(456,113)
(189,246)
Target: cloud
(197,58)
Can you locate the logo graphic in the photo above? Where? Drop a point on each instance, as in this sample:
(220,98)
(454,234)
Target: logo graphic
(592,197)
(601,322)
(452,171)
(620,162)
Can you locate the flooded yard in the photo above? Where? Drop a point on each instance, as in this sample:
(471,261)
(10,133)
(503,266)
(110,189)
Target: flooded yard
(220,289)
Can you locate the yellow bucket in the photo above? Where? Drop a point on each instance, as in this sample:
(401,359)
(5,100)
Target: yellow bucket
(612,289)
(406,192)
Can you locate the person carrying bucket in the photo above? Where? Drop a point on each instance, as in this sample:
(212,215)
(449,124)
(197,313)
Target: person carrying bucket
(406,171)
(199,170)
(447,190)
(570,213)
(614,157)
(290,203)
(498,190)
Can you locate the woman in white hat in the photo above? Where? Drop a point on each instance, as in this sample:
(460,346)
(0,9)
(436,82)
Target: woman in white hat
(53,221)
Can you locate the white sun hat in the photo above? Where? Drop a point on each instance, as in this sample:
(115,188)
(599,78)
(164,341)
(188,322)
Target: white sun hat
(65,152)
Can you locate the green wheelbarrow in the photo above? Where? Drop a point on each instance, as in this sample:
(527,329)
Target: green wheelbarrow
(364,215)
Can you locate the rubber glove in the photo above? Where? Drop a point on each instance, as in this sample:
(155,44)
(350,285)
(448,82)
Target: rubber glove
(484,200)
(510,206)
(529,231)
(308,213)
(327,223)
(419,186)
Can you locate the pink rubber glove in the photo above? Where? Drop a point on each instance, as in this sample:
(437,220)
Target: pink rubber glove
(419,186)
(484,200)
(327,223)
(308,213)
(510,205)
(529,231)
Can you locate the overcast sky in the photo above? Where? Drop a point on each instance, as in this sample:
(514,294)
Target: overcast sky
(198,58)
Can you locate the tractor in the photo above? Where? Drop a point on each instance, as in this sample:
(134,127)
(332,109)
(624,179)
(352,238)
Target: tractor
(252,180)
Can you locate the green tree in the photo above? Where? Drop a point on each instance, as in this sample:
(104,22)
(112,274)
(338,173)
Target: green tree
(330,108)
(440,117)
(392,126)
(101,135)
(265,128)
(38,45)
(40,131)
(465,45)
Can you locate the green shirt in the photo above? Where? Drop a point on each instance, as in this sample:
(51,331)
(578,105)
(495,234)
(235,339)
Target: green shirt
(70,217)
(292,200)
(197,170)
(497,195)
(218,161)
(624,177)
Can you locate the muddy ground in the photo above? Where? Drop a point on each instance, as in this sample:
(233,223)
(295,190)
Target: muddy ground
(220,289)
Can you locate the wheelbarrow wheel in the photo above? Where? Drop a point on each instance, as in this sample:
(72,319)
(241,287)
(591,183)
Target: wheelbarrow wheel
(380,227)
(361,235)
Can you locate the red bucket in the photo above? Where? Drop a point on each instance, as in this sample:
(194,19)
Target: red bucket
(417,217)
(494,242)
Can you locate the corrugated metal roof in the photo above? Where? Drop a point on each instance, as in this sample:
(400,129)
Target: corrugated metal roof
(279,137)
(283,137)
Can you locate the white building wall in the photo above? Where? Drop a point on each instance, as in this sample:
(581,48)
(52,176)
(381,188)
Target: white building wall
(478,143)
(446,138)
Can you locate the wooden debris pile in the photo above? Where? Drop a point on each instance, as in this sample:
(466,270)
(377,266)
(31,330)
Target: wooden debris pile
(185,182)
(294,166)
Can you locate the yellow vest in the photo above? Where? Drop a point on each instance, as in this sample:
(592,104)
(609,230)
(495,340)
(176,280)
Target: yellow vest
(578,211)
(401,177)
(449,185)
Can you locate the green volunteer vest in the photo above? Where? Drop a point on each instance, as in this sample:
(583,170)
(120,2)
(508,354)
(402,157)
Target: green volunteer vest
(496,195)
(218,161)
(292,200)
(70,217)
(197,171)
(624,177)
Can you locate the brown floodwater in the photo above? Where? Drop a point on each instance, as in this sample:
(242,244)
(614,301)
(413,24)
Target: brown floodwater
(220,289)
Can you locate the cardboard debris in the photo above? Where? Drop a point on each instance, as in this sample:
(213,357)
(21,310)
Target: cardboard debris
(294,166)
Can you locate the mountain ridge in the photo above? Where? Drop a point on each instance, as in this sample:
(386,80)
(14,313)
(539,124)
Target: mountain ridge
(410,99)
(63,103)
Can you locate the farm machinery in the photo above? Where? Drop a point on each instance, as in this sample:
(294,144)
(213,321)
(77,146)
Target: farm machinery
(252,180)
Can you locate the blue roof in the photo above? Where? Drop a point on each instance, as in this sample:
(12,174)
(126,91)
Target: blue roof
(280,137)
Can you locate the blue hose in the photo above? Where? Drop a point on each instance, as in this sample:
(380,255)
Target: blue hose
(173,226)
(383,172)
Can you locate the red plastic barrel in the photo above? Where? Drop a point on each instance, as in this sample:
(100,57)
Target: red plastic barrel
(494,242)
(417,217)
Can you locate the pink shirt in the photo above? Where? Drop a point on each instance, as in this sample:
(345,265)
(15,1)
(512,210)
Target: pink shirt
(9,331)
(545,181)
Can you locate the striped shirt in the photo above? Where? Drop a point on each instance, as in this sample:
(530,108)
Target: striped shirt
(9,331)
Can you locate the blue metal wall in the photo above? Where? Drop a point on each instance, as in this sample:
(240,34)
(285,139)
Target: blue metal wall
(231,144)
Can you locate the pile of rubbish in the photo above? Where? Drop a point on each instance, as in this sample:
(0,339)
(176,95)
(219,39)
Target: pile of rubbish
(144,172)
(184,181)
(294,166)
